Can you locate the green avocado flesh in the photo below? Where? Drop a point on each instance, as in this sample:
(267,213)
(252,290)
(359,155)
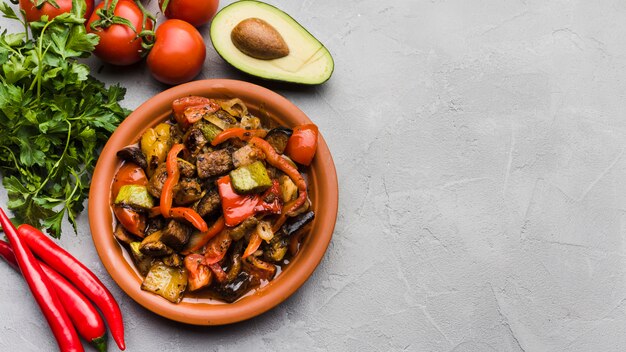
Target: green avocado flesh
(308,62)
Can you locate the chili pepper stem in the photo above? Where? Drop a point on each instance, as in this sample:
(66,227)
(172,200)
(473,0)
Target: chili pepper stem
(100,343)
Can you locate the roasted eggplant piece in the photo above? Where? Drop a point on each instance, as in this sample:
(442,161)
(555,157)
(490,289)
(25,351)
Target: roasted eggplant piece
(122,235)
(154,247)
(293,225)
(165,281)
(278,138)
(142,261)
(231,291)
(194,139)
(133,155)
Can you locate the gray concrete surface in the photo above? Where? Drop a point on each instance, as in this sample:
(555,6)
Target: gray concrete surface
(480,152)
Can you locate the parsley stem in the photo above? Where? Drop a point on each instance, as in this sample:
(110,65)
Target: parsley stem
(55,168)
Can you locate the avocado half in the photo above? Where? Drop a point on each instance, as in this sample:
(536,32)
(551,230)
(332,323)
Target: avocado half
(308,61)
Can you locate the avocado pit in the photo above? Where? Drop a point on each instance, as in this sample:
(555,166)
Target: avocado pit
(259,39)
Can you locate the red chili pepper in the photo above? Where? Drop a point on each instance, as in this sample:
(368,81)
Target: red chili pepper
(173,174)
(237,207)
(253,245)
(280,163)
(81,312)
(237,132)
(88,283)
(190,215)
(216,228)
(42,289)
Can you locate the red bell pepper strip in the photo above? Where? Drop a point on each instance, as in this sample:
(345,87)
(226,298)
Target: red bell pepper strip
(216,228)
(237,207)
(173,174)
(42,289)
(216,248)
(253,245)
(190,215)
(220,274)
(81,312)
(77,273)
(237,132)
(274,159)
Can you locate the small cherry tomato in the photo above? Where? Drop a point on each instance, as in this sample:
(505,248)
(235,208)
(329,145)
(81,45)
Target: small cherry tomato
(178,52)
(302,144)
(132,221)
(33,13)
(128,174)
(119,44)
(195,12)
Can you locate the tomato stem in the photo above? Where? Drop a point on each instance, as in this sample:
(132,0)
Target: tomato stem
(147,36)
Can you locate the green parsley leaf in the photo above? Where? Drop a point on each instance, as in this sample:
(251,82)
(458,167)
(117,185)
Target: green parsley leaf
(55,118)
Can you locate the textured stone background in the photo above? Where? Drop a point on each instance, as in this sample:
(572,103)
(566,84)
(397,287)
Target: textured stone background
(480,151)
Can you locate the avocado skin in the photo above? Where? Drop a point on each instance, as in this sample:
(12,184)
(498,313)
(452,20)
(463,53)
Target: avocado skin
(274,8)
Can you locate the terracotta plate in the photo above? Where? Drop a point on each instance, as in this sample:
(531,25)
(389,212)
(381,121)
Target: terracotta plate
(200,310)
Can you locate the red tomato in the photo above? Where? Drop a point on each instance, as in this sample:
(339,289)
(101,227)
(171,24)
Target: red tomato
(128,174)
(302,144)
(34,14)
(196,12)
(132,221)
(178,53)
(119,44)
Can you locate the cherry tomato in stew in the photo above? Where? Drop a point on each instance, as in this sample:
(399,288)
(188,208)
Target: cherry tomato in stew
(302,144)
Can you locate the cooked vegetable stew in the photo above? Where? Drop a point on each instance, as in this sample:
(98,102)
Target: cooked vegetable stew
(209,201)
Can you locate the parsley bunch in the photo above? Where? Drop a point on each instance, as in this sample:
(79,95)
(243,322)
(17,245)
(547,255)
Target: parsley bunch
(54,118)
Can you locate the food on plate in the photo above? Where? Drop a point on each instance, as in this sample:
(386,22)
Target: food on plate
(34,9)
(81,312)
(55,118)
(117,26)
(263,41)
(178,52)
(195,12)
(216,205)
